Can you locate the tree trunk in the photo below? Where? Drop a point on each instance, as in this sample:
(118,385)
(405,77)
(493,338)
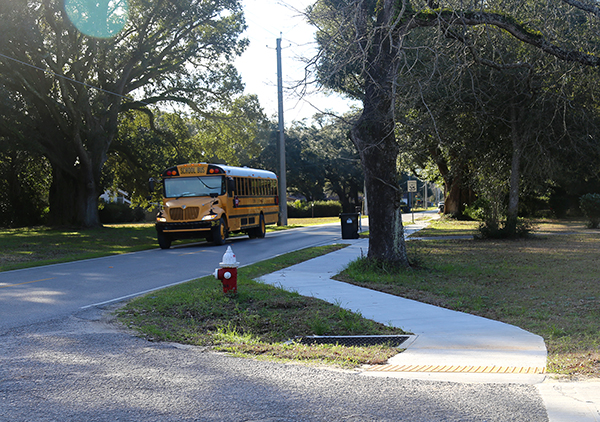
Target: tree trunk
(374,137)
(454,191)
(347,206)
(452,202)
(386,239)
(512,213)
(73,197)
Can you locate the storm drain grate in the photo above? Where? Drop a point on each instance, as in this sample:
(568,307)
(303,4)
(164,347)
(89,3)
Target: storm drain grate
(358,341)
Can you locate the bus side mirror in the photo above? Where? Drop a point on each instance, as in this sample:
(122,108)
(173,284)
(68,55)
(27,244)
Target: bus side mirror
(151,184)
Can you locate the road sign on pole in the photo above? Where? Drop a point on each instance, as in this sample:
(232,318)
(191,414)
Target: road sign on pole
(412,185)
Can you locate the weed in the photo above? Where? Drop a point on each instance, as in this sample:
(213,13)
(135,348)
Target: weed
(229,334)
(255,321)
(319,325)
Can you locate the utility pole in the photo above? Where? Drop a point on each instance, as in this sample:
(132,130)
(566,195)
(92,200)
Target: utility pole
(282,168)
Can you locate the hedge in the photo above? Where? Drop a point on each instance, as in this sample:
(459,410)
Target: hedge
(304,209)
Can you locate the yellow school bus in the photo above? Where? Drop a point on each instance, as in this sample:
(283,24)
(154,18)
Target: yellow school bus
(211,201)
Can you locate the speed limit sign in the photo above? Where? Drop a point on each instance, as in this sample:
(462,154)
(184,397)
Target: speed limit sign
(412,185)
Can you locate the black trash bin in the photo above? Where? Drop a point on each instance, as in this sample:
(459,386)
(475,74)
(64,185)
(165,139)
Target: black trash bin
(349,225)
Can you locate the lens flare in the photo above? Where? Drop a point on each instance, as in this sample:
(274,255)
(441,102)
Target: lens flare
(98,18)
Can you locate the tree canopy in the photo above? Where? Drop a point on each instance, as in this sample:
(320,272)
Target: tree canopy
(141,149)
(70,88)
(369,48)
(321,160)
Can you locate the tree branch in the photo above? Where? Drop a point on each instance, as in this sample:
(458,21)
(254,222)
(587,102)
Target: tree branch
(507,23)
(585,7)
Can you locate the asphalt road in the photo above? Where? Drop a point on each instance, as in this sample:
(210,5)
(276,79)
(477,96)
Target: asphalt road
(38,294)
(64,360)
(78,368)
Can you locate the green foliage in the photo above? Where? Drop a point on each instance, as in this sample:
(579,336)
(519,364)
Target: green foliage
(470,96)
(475,211)
(114,213)
(142,150)
(229,135)
(176,51)
(501,229)
(304,209)
(321,160)
(24,184)
(590,205)
(490,208)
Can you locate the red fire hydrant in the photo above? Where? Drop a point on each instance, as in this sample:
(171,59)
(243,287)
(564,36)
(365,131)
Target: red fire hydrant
(227,274)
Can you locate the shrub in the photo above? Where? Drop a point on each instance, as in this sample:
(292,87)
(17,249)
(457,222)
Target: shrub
(477,211)
(114,213)
(590,205)
(304,209)
(559,202)
(496,229)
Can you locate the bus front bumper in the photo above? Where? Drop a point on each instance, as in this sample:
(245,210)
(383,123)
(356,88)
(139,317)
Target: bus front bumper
(194,226)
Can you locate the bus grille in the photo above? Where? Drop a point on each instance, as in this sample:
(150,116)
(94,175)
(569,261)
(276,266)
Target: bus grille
(190,213)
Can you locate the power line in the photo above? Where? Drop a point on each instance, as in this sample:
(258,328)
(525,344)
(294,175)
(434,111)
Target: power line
(68,78)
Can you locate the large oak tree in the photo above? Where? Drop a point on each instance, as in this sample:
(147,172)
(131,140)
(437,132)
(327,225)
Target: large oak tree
(362,47)
(71,87)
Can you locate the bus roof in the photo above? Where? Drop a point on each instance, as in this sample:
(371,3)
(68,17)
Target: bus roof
(200,169)
(247,172)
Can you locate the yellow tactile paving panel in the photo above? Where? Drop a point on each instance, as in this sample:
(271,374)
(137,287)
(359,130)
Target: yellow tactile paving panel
(457,369)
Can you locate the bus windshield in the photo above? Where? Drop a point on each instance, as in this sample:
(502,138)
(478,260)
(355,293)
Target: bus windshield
(194,186)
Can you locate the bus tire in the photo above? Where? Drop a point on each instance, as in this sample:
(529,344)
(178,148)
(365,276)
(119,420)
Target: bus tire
(260,231)
(164,241)
(219,232)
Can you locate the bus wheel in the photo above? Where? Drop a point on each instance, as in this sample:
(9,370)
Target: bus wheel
(261,230)
(164,241)
(219,233)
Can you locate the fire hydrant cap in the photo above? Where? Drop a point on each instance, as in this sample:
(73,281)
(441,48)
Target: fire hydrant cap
(229,259)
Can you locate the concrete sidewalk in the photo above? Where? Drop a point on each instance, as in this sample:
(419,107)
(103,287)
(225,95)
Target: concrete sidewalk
(446,345)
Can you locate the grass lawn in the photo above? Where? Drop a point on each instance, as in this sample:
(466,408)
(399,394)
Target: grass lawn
(548,284)
(258,320)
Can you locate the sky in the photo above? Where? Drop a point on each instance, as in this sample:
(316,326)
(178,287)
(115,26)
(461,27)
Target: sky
(268,20)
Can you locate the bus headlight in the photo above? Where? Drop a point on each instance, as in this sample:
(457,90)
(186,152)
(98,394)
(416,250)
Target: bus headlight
(161,219)
(209,217)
